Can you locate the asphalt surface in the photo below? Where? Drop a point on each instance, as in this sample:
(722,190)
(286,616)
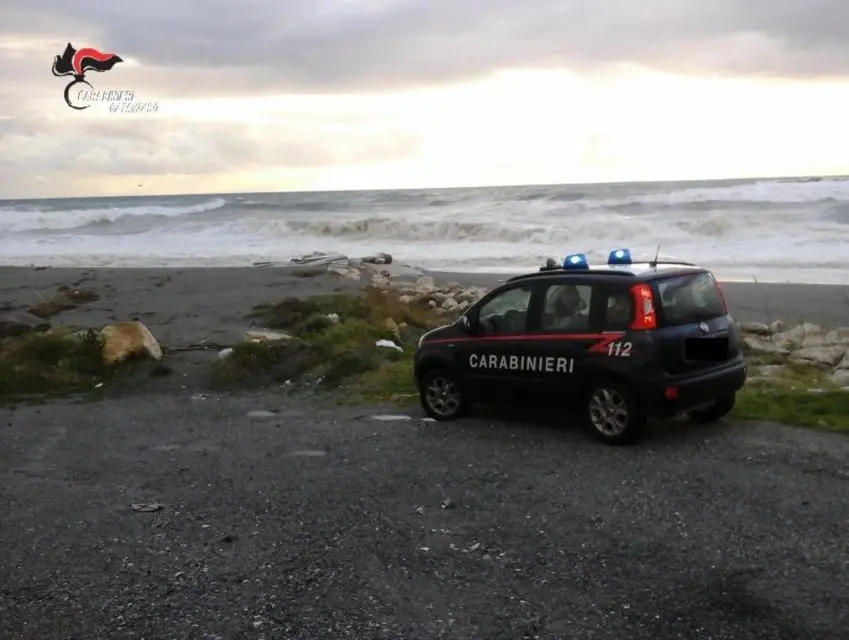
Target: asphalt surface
(318,523)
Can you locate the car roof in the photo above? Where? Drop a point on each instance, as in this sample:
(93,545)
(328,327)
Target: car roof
(635,271)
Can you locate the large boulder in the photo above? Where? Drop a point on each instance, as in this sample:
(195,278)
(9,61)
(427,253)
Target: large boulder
(124,340)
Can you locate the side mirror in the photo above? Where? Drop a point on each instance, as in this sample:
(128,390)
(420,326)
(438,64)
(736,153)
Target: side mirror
(465,324)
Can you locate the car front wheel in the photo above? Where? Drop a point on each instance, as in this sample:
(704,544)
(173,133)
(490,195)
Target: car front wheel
(442,395)
(612,412)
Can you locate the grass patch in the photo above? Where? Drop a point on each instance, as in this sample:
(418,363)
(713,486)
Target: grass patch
(788,397)
(334,344)
(50,364)
(66,298)
(826,410)
(391,383)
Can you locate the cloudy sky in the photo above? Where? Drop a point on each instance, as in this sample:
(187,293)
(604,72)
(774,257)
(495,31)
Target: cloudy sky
(266,95)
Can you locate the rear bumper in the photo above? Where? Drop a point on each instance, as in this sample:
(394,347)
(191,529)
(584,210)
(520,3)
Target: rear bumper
(692,390)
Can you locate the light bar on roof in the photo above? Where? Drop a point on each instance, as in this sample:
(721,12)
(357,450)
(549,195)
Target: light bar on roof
(619,256)
(576,261)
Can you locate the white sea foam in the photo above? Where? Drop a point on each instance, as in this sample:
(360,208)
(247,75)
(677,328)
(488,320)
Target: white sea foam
(794,230)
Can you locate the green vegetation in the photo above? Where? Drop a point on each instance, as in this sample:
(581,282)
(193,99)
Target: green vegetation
(52,363)
(796,394)
(339,353)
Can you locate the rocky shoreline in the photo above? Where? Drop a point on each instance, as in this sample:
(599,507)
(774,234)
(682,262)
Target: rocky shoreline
(208,311)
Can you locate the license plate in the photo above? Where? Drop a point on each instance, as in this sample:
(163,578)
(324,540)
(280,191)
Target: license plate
(706,349)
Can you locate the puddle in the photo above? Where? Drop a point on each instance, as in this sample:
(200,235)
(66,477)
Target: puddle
(390,418)
(309,453)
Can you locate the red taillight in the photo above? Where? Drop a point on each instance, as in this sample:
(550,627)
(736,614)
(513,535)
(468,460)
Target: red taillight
(645,316)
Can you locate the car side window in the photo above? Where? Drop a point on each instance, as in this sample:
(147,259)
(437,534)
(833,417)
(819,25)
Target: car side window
(619,311)
(505,313)
(567,307)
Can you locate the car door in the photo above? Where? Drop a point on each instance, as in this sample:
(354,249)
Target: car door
(564,325)
(492,354)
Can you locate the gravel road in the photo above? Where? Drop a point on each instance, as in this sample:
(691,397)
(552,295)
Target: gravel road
(311,523)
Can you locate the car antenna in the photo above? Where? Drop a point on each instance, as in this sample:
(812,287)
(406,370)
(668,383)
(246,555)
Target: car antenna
(653,263)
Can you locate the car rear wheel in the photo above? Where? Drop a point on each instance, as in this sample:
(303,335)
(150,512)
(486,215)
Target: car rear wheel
(442,395)
(720,408)
(612,412)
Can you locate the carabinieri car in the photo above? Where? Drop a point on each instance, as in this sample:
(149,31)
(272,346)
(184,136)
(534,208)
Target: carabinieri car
(617,342)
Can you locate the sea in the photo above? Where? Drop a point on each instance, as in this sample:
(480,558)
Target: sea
(780,230)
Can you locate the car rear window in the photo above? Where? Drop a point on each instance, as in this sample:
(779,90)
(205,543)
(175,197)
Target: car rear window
(690,298)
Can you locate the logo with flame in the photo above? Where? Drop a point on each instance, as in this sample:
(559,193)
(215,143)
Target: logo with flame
(77,63)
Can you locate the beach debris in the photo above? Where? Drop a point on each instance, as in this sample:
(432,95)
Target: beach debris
(15,323)
(266,336)
(124,340)
(378,258)
(317,258)
(309,453)
(66,298)
(147,507)
(387,344)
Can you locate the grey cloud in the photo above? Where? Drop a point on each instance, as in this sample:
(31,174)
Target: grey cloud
(273,45)
(118,146)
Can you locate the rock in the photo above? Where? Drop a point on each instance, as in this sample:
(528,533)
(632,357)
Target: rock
(803,335)
(378,258)
(405,299)
(840,377)
(449,304)
(770,370)
(761,345)
(124,340)
(381,280)
(825,356)
(777,327)
(757,328)
(345,271)
(17,323)
(425,284)
(266,336)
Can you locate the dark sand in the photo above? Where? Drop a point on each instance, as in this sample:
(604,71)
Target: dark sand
(316,522)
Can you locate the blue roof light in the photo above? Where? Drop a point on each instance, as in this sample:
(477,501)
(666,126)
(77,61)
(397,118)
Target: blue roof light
(619,256)
(576,261)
